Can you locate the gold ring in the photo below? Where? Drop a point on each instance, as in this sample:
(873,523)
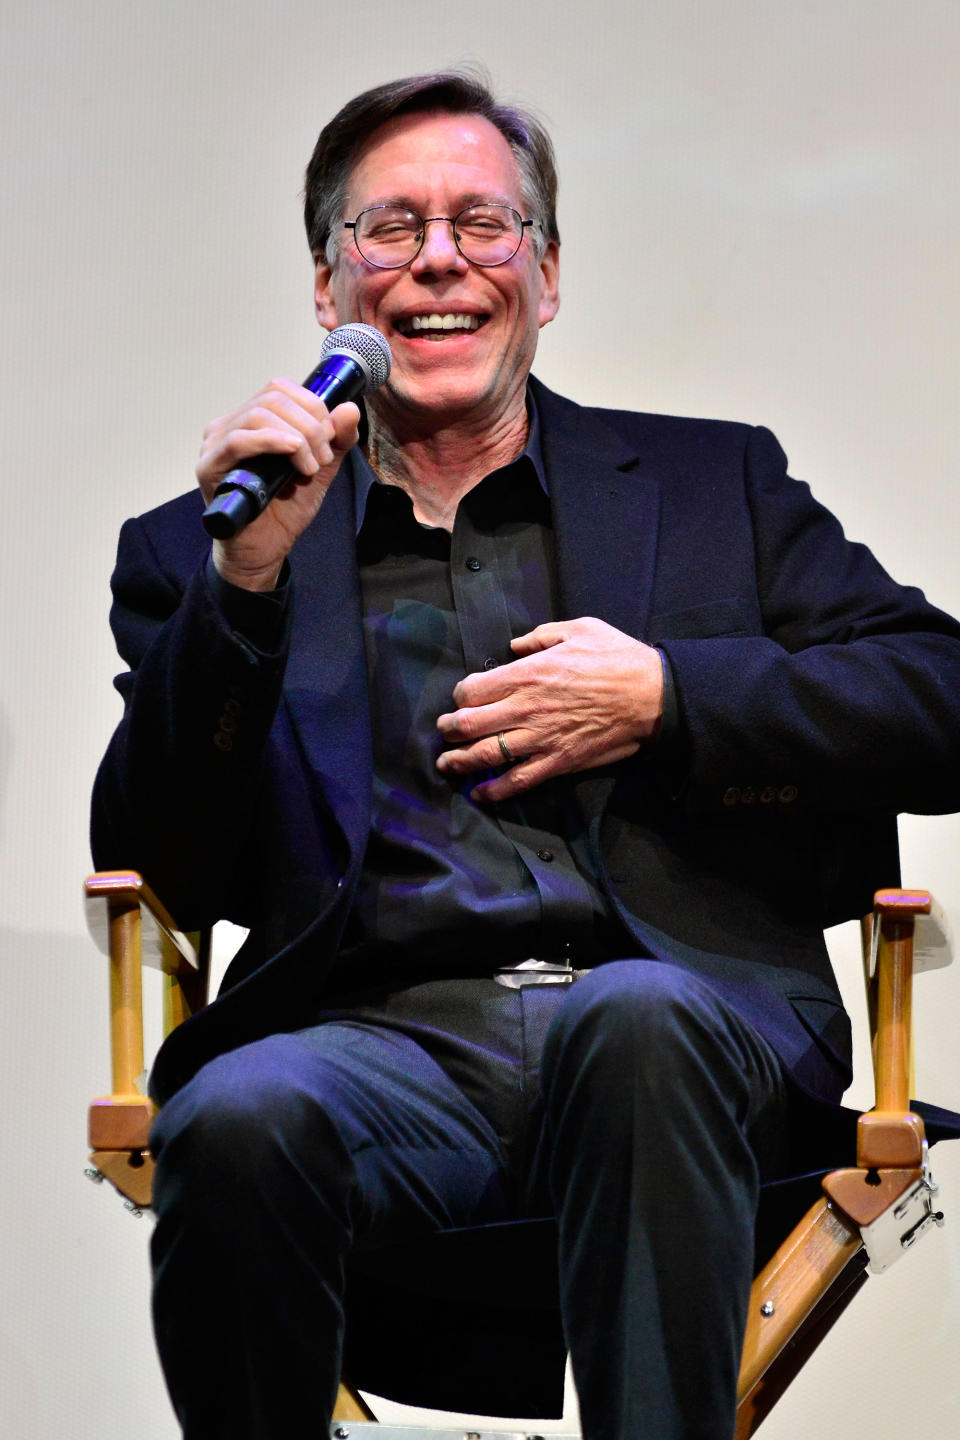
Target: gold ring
(505,749)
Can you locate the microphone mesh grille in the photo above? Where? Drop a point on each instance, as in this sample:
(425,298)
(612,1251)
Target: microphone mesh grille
(364,344)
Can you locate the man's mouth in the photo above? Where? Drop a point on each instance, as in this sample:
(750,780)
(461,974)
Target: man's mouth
(436,324)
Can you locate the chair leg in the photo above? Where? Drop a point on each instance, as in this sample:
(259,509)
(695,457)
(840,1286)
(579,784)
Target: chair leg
(785,1294)
(350,1404)
(757,1404)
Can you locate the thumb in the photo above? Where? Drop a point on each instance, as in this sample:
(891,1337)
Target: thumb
(346,427)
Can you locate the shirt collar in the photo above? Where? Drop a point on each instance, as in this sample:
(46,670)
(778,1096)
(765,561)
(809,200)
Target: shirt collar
(364,478)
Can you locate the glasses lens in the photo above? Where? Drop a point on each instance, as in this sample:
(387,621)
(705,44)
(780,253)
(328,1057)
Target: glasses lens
(387,235)
(488,234)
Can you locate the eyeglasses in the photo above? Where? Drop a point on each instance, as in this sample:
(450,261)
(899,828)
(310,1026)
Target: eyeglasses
(390,236)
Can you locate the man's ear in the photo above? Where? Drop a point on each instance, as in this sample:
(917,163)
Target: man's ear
(550,278)
(323,296)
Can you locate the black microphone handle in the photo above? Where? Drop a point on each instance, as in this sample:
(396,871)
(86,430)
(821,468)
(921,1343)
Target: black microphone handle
(246,492)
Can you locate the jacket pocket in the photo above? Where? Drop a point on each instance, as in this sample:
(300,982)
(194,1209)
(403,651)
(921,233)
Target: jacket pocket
(716,617)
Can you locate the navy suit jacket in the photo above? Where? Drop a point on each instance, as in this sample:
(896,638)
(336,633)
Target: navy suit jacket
(816,699)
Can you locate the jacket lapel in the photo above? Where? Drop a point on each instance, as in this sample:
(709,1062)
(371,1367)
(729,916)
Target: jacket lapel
(326,681)
(606,514)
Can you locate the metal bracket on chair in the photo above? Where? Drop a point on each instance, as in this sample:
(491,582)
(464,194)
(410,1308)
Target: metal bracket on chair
(902,1224)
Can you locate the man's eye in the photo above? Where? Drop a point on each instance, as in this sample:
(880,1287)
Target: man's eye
(482,227)
(391,230)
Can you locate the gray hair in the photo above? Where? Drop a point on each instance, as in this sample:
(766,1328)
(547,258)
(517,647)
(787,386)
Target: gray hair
(458,92)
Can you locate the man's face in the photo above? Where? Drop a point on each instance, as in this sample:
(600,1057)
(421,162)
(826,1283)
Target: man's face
(436,164)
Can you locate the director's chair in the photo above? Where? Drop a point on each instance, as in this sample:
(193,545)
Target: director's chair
(864,1217)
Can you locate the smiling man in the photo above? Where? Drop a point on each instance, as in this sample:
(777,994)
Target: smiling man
(535,746)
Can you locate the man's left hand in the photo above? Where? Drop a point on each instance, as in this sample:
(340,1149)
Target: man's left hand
(580,694)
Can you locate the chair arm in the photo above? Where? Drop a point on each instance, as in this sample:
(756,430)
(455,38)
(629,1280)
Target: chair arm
(116,903)
(908,932)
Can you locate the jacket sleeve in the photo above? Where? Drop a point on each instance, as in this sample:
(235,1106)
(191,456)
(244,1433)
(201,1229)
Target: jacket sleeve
(176,796)
(848,702)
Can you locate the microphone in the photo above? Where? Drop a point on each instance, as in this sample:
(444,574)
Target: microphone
(353,359)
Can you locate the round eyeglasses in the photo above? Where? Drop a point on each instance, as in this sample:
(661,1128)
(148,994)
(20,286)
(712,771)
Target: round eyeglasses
(390,236)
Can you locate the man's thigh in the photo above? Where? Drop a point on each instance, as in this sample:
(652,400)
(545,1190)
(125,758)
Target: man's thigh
(352,1116)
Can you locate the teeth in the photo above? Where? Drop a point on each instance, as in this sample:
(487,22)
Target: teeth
(441,322)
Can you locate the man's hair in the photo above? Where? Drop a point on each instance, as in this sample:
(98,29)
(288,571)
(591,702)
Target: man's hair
(457,92)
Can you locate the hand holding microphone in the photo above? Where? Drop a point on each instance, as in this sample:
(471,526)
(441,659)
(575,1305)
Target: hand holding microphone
(285,433)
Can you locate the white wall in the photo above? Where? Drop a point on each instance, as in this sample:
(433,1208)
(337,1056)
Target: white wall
(760,215)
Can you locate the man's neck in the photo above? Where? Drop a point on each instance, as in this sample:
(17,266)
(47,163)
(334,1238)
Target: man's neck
(438,467)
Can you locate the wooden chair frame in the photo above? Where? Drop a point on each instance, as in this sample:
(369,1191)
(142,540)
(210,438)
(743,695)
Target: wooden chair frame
(799,1293)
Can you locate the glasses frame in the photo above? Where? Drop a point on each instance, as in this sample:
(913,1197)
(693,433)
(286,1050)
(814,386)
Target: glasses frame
(450,220)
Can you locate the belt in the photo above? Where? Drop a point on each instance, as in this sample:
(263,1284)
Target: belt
(537,972)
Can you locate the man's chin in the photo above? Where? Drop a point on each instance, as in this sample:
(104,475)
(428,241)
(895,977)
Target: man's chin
(444,394)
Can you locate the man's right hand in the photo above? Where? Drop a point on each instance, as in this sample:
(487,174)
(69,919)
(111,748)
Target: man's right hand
(283,419)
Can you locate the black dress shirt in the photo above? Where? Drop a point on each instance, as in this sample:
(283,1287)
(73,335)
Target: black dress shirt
(450,887)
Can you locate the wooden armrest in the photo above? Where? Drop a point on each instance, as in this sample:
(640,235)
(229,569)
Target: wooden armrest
(116,902)
(162,944)
(908,932)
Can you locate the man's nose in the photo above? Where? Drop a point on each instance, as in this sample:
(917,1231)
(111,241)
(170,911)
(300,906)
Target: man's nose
(439,250)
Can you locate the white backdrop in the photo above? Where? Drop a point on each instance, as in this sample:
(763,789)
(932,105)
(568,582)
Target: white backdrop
(760,204)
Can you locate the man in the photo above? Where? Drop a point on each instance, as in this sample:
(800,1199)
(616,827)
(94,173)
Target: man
(497,679)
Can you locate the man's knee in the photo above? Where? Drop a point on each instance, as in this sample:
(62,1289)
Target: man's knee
(245,1117)
(630,1007)
(635,1033)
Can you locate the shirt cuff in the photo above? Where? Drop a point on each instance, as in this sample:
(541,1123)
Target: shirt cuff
(670,715)
(258,616)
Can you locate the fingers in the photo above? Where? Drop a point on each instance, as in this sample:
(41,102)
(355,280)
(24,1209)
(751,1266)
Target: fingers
(286,420)
(461,727)
(579,694)
(521,777)
(487,753)
(535,769)
(282,419)
(542,638)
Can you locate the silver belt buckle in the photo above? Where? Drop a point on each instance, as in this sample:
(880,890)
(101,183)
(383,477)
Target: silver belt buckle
(535,972)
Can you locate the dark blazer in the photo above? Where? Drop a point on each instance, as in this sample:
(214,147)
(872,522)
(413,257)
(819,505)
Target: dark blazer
(816,699)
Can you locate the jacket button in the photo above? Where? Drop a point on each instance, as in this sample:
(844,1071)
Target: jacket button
(545,855)
(731,796)
(472,563)
(788,793)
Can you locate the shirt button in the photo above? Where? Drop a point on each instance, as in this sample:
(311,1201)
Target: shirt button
(490,663)
(545,855)
(472,563)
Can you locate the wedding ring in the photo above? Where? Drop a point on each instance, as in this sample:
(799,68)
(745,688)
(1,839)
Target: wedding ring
(505,749)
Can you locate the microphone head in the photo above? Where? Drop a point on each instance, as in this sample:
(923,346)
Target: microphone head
(363,344)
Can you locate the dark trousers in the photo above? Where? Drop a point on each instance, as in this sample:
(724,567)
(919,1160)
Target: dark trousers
(635,1105)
